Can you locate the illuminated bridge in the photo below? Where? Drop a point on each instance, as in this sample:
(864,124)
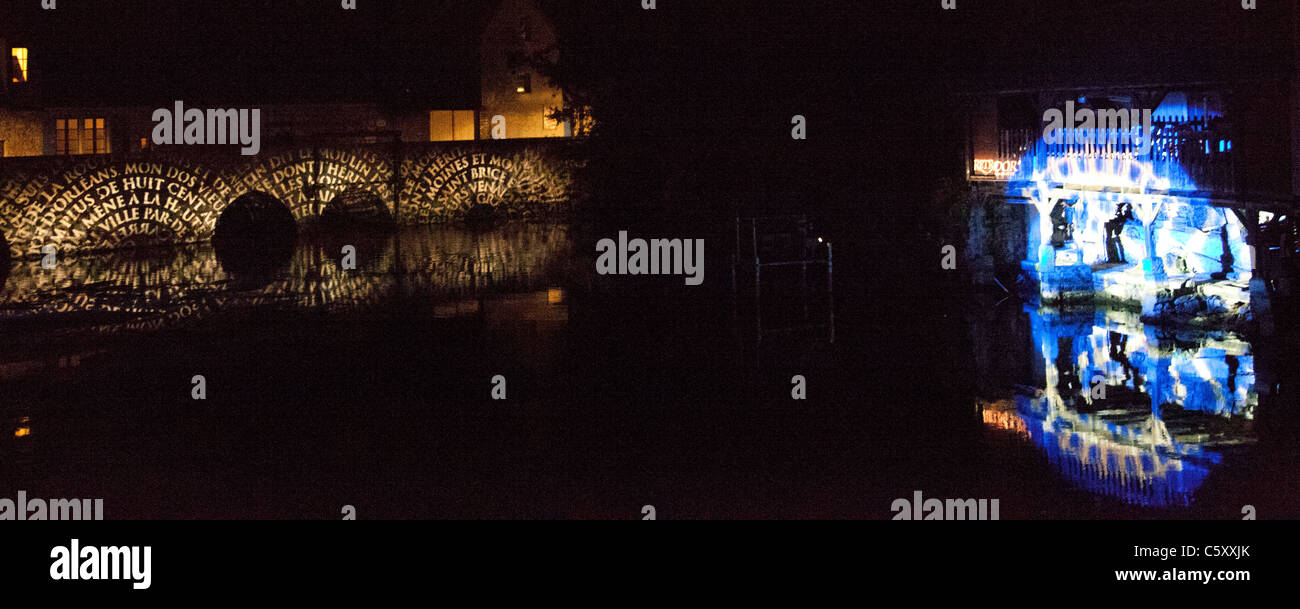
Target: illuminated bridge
(102,202)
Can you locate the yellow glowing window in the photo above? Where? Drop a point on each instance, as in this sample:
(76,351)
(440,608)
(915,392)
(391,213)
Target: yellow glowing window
(523,83)
(81,136)
(548,122)
(20,64)
(451,125)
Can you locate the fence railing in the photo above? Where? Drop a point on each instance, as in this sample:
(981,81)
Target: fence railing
(1193,154)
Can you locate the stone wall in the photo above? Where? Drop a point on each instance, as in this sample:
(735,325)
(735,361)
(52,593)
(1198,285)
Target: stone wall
(22,133)
(995,238)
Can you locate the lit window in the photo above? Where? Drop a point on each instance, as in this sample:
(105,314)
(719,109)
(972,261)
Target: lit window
(19,60)
(451,125)
(523,83)
(548,122)
(81,136)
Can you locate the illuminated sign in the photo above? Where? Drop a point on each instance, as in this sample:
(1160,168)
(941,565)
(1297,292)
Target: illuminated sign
(996,168)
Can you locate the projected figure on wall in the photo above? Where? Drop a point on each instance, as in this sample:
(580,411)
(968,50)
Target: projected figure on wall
(1119,353)
(1062,223)
(1226,259)
(1068,385)
(1114,229)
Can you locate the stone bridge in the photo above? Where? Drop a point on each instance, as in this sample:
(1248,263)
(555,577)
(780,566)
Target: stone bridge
(178,194)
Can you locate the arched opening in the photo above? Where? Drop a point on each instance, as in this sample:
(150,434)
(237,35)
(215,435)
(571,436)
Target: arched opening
(354,207)
(255,235)
(481,216)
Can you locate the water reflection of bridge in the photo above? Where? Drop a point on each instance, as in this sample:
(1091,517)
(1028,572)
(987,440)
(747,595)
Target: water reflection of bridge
(124,291)
(1172,405)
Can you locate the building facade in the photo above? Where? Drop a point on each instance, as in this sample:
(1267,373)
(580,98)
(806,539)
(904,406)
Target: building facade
(1175,196)
(513,97)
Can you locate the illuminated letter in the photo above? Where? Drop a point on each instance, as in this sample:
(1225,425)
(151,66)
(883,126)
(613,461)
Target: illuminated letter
(1250,6)
(48,5)
(800,130)
(48,262)
(498,127)
(349,5)
(800,389)
(349,512)
(949,261)
(1249,511)
(649,511)
(648,4)
(948,5)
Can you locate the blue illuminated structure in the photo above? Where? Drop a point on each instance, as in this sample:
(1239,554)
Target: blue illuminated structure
(1131,229)
(1131,413)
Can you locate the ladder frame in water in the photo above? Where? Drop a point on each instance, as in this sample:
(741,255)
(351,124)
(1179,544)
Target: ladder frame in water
(801,220)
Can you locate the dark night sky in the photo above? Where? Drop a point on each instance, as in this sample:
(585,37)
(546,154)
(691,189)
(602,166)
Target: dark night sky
(868,74)
(262,50)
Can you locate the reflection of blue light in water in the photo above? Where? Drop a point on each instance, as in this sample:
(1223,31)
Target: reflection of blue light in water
(1122,446)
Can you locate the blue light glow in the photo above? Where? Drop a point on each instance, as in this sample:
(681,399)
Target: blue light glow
(1126,445)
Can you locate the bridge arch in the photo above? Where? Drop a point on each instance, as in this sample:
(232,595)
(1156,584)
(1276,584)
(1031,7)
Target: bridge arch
(255,232)
(357,206)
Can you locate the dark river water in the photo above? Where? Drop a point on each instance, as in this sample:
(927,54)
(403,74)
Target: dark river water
(373,388)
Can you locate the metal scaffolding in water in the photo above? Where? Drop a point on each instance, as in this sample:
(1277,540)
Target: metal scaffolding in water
(784,242)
